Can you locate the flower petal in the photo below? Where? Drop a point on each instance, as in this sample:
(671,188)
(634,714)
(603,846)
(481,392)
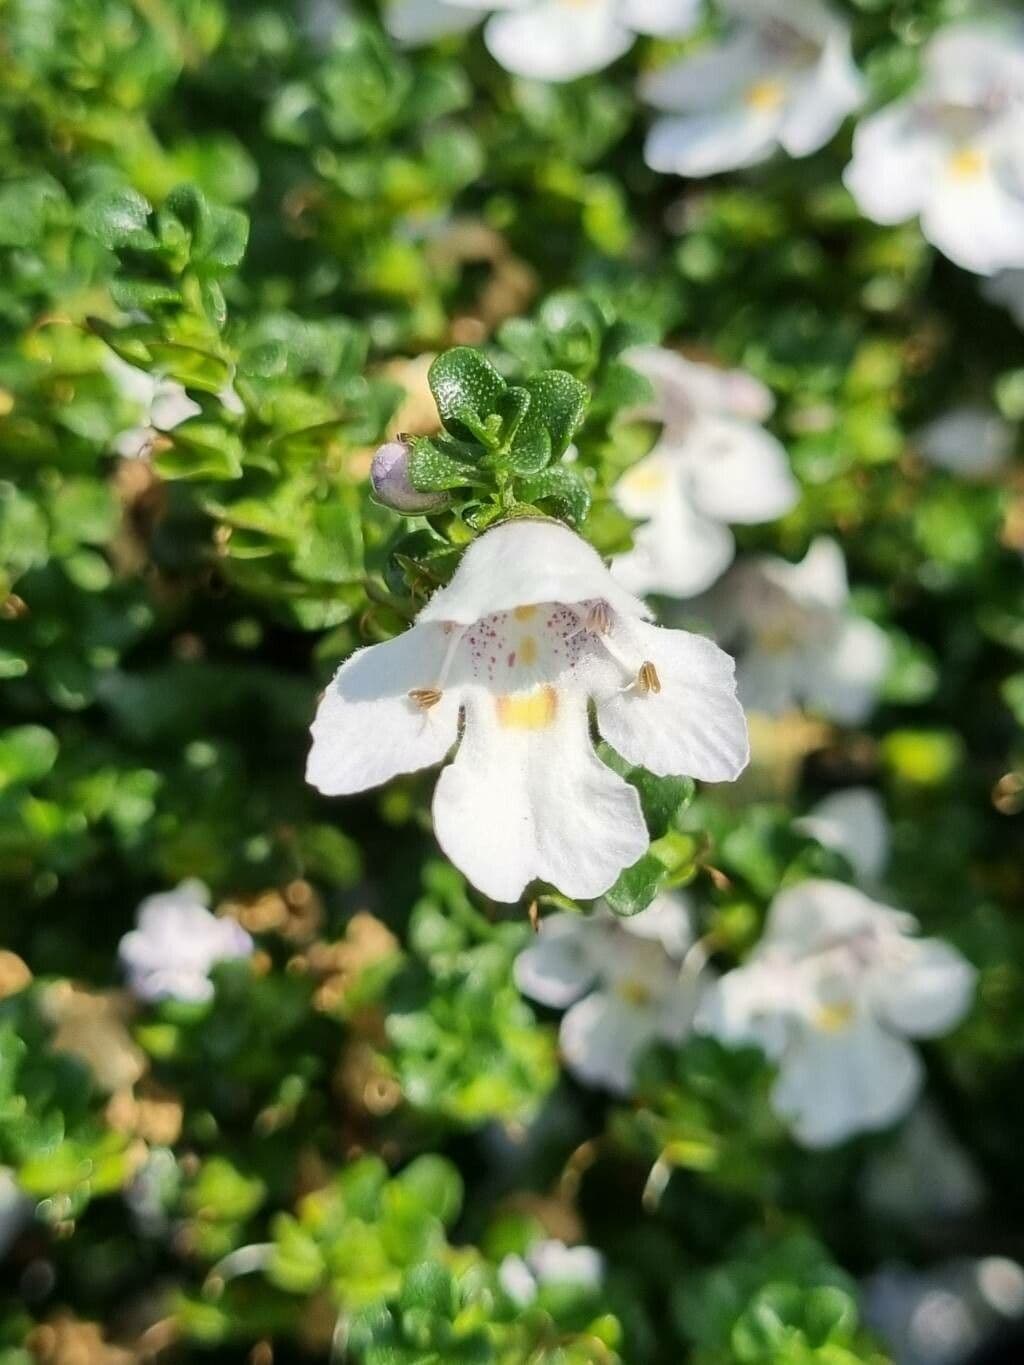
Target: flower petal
(527,798)
(833,1085)
(693,726)
(678,552)
(927,995)
(739,471)
(556,41)
(853,823)
(600,1038)
(717,140)
(367,728)
(842,676)
(524,562)
(755,1004)
(819,579)
(703,81)
(971,440)
(414,22)
(817,913)
(555,969)
(668,920)
(896,157)
(666,18)
(820,102)
(977,220)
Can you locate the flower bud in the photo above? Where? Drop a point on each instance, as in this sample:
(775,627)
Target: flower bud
(389,476)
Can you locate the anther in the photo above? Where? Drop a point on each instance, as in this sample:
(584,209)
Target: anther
(425,697)
(647,679)
(598,619)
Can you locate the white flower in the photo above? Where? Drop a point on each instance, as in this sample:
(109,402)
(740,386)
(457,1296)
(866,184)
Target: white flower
(852,822)
(941,1315)
(163,405)
(924,1176)
(832,993)
(549,1262)
(531,628)
(952,152)
(970,440)
(782,76)
(547,40)
(797,639)
(16,1209)
(713,464)
(620,982)
(176,943)
(1007,289)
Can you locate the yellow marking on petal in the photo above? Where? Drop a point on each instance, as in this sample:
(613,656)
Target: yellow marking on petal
(633,992)
(647,679)
(524,613)
(527,650)
(967,163)
(775,639)
(644,480)
(764,96)
(834,1018)
(528,711)
(425,697)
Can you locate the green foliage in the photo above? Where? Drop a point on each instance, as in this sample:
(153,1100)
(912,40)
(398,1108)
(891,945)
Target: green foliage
(321,241)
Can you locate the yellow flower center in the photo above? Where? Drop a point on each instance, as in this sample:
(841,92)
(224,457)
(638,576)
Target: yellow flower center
(774,639)
(633,992)
(528,711)
(967,163)
(834,1018)
(764,96)
(527,650)
(524,613)
(645,480)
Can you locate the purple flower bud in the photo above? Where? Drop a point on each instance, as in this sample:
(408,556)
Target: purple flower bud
(389,476)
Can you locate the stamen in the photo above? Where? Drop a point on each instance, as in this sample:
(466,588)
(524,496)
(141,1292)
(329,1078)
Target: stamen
(425,697)
(598,619)
(647,679)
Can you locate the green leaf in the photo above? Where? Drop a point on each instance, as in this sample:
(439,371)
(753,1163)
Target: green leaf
(464,385)
(560,402)
(433,470)
(636,886)
(27,753)
(561,489)
(436,1185)
(662,798)
(201,450)
(297,1264)
(430,1288)
(118,218)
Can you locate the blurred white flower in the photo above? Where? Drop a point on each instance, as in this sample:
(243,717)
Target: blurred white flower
(714,464)
(832,992)
(783,77)
(797,639)
(16,1209)
(924,1176)
(547,40)
(970,440)
(549,1262)
(852,822)
(620,981)
(939,1315)
(176,944)
(530,630)
(163,405)
(952,151)
(1007,289)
